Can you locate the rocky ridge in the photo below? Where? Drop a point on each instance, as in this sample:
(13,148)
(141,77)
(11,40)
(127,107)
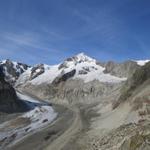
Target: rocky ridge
(12,70)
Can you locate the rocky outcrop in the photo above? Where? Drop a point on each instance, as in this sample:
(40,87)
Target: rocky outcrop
(63,77)
(125,69)
(126,137)
(36,71)
(9,102)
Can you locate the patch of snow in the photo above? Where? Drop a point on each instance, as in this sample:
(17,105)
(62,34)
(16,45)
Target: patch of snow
(95,73)
(8,76)
(38,70)
(46,67)
(142,62)
(101,77)
(39,114)
(15,64)
(3,61)
(47,77)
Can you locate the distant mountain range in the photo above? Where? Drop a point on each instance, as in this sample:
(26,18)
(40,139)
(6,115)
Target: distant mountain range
(76,79)
(79,76)
(86,68)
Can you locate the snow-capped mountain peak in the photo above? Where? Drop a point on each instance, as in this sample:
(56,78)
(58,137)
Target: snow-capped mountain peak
(83,57)
(78,59)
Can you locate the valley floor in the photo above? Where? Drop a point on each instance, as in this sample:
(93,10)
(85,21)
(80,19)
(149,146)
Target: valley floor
(64,133)
(73,130)
(40,139)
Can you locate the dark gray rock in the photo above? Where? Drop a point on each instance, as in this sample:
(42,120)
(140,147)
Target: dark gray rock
(35,73)
(64,77)
(9,102)
(12,70)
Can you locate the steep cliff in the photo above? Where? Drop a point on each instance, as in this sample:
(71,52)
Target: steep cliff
(9,102)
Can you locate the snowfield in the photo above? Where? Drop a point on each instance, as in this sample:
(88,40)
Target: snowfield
(40,116)
(142,62)
(27,123)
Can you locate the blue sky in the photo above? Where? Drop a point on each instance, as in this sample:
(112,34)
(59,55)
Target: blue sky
(48,31)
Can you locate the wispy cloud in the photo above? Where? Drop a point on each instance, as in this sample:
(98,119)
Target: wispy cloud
(52,34)
(5,52)
(103,24)
(27,39)
(26,46)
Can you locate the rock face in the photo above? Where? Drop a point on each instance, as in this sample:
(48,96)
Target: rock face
(12,70)
(125,69)
(137,83)
(9,102)
(126,137)
(73,91)
(37,70)
(63,77)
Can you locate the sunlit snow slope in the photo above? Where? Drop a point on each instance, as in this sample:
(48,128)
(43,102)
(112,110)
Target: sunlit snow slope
(86,68)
